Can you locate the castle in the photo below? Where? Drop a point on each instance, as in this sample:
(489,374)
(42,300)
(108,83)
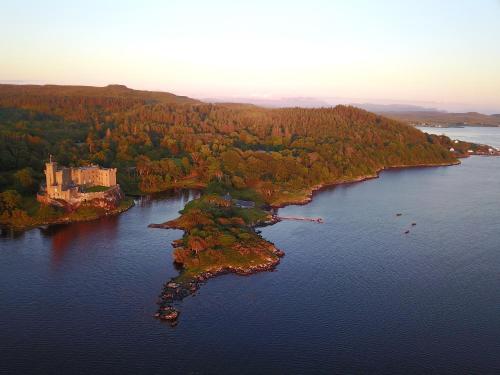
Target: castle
(69,184)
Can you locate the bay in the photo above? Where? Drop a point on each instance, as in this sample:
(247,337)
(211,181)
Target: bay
(475,134)
(353,295)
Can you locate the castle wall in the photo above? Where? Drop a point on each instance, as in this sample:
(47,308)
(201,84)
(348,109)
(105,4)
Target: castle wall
(64,183)
(108,177)
(56,192)
(85,197)
(91,176)
(63,178)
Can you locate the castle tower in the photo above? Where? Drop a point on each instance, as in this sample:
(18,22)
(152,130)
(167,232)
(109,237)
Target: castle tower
(50,172)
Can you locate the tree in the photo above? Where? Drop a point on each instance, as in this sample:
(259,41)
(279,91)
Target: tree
(10,200)
(25,181)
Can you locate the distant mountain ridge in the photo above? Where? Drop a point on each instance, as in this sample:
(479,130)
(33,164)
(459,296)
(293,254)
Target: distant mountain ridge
(109,91)
(413,114)
(434,118)
(303,102)
(387,108)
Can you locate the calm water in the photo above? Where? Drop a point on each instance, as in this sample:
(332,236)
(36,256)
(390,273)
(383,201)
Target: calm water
(353,295)
(486,135)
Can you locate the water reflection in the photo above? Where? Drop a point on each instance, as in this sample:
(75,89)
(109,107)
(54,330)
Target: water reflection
(64,236)
(9,233)
(184,195)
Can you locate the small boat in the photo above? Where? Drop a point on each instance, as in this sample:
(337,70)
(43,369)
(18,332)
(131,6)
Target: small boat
(413,224)
(407,232)
(399,214)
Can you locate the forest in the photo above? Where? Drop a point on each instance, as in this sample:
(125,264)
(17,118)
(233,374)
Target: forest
(159,141)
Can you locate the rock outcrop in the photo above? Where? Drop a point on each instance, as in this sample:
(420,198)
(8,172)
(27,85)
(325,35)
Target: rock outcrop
(109,199)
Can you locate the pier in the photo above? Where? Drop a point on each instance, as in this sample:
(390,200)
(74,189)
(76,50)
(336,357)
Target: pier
(301,218)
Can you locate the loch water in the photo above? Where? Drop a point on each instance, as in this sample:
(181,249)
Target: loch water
(477,134)
(353,295)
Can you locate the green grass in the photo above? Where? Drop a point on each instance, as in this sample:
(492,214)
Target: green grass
(246,194)
(30,205)
(250,215)
(96,189)
(126,203)
(86,213)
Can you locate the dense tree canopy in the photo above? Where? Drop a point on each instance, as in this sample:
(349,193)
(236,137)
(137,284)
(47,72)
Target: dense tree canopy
(158,142)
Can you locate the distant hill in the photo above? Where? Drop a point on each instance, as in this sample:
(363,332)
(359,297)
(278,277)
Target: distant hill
(435,118)
(48,98)
(302,102)
(387,108)
(110,91)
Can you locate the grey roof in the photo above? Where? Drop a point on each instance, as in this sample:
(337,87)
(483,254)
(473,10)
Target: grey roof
(244,204)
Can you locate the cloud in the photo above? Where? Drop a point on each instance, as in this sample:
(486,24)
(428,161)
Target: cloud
(19,82)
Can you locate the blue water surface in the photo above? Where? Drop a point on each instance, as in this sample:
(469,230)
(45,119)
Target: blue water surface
(353,295)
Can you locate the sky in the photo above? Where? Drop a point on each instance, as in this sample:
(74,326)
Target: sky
(442,54)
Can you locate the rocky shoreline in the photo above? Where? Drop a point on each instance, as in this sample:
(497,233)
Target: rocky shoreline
(175,291)
(307,198)
(68,220)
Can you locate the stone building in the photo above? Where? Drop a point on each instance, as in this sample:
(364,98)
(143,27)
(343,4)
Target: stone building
(69,184)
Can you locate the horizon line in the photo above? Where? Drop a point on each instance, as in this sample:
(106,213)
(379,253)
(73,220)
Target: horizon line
(329,101)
